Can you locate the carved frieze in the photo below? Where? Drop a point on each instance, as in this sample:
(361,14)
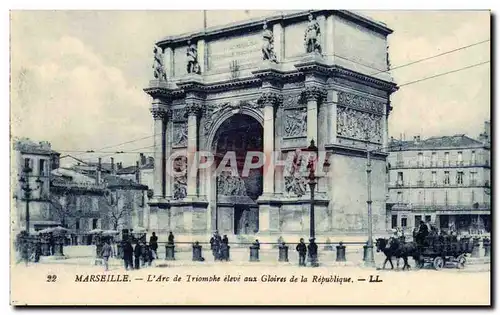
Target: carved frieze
(360,102)
(293,100)
(295,122)
(180,134)
(359,125)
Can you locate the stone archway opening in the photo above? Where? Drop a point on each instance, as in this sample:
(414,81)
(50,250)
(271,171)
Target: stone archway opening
(236,195)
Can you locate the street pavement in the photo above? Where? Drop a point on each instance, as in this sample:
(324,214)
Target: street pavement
(269,258)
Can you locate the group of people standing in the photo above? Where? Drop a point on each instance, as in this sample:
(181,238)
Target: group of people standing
(311,248)
(135,253)
(220,247)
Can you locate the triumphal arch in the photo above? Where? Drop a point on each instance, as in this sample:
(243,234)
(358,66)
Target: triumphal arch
(271,86)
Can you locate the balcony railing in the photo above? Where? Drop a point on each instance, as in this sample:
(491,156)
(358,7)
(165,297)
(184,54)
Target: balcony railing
(440,164)
(422,184)
(444,207)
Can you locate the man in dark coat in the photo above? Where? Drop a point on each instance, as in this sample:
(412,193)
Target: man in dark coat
(215,245)
(312,248)
(153,244)
(128,253)
(225,248)
(171,238)
(423,231)
(302,250)
(137,255)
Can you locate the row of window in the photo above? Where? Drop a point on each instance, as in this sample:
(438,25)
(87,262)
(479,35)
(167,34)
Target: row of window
(460,222)
(459,178)
(404,221)
(421,197)
(434,158)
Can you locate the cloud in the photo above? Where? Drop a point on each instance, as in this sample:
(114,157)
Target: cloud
(63,92)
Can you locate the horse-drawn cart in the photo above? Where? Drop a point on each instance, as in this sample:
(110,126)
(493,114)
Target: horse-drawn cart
(441,250)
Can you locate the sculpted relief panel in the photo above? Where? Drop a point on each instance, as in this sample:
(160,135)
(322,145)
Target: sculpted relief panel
(361,103)
(295,123)
(359,125)
(180,178)
(180,134)
(228,185)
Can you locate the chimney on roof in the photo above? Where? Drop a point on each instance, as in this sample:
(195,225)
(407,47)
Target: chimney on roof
(119,166)
(142,158)
(392,139)
(487,132)
(137,173)
(113,171)
(98,172)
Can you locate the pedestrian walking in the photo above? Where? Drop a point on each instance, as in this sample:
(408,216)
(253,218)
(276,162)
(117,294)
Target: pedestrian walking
(312,248)
(137,255)
(302,250)
(128,253)
(106,252)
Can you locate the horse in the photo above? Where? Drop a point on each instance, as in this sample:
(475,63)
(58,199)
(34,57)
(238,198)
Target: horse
(398,250)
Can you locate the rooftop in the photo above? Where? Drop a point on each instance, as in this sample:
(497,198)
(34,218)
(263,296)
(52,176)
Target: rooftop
(242,26)
(28,146)
(456,141)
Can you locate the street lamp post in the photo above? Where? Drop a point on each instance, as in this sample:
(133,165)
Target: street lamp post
(25,186)
(370,260)
(312,185)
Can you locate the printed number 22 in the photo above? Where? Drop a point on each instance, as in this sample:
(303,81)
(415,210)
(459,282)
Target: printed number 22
(51,278)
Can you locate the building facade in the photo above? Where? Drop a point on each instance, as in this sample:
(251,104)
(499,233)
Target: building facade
(269,86)
(32,163)
(82,202)
(443,180)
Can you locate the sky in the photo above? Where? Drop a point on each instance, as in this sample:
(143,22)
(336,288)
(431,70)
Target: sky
(77,77)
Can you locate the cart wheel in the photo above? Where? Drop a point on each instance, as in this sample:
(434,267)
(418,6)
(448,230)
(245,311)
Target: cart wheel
(461,262)
(438,263)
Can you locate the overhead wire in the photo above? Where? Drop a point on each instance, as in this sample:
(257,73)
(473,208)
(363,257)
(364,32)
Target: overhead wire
(134,151)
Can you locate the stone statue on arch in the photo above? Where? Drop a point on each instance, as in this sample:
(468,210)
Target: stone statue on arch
(158,67)
(192,59)
(312,36)
(268,45)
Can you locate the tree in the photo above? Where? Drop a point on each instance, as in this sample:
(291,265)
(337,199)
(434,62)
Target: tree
(117,211)
(64,212)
